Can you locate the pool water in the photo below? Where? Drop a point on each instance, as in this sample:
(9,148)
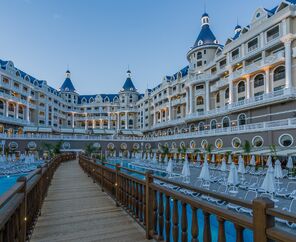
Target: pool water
(7,182)
(230,232)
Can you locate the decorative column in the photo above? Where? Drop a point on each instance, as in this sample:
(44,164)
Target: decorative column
(248,86)
(118,121)
(191,99)
(6,108)
(86,123)
(109,121)
(207,96)
(188,100)
(288,59)
(170,109)
(16,110)
(28,110)
(230,86)
(267,80)
(126,120)
(73,120)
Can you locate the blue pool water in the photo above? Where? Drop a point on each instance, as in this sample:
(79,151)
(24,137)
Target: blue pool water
(6,182)
(230,232)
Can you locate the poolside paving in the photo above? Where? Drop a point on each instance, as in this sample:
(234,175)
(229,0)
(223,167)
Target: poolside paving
(76,210)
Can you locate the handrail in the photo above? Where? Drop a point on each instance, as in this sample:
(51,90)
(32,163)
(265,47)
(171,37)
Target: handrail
(21,204)
(163,211)
(206,192)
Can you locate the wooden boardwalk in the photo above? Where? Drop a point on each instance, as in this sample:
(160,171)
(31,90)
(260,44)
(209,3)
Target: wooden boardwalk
(76,210)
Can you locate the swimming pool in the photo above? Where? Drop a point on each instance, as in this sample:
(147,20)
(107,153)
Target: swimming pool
(7,182)
(230,232)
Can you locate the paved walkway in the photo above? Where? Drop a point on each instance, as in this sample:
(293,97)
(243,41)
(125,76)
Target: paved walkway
(76,210)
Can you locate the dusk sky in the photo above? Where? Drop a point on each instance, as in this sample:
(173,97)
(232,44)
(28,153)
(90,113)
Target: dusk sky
(99,39)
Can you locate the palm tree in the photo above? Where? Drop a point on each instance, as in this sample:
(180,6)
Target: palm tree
(196,152)
(89,149)
(165,151)
(247,147)
(48,148)
(209,149)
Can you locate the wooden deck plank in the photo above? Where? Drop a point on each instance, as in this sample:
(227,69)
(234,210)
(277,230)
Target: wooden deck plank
(76,210)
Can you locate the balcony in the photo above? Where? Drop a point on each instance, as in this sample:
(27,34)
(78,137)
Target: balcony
(178,101)
(12,120)
(249,128)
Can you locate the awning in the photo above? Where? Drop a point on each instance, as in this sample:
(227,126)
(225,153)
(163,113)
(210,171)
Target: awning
(81,131)
(110,131)
(64,130)
(30,129)
(44,130)
(99,131)
(286,152)
(126,132)
(137,132)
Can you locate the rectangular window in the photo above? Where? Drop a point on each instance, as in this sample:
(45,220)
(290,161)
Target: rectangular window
(253,44)
(272,34)
(199,87)
(235,54)
(222,63)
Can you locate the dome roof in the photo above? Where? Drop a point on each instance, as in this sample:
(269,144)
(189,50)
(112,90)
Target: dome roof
(205,15)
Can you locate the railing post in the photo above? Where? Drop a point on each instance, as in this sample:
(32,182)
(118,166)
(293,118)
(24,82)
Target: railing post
(262,221)
(23,210)
(102,176)
(149,203)
(117,184)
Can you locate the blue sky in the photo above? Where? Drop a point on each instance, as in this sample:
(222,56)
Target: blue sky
(99,39)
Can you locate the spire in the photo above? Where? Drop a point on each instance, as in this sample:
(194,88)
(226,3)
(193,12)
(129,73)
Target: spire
(205,19)
(67,85)
(128,85)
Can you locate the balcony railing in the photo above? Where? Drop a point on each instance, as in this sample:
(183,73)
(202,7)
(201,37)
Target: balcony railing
(264,126)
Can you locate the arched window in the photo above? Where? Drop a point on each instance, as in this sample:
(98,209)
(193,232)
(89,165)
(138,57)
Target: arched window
(241,87)
(225,122)
(213,124)
(279,73)
(218,97)
(130,122)
(242,119)
(1,105)
(227,93)
(11,107)
(201,126)
(192,128)
(199,100)
(259,80)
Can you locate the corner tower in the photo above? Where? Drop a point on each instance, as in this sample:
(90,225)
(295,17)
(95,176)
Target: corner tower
(205,46)
(68,90)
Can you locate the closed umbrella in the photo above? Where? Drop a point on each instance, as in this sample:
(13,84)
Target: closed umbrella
(223,165)
(169,168)
(223,168)
(268,184)
(186,171)
(253,161)
(290,164)
(229,159)
(205,172)
(213,159)
(233,178)
(278,172)
(166,159)
(269,161)
(198,159)
(154,158)
(241,167)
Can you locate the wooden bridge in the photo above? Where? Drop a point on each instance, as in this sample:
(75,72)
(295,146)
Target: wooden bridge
(75,209)
(113,203)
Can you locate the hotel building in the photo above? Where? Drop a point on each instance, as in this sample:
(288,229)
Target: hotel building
(243,89)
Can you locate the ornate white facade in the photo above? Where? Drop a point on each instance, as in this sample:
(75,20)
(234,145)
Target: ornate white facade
(242,86)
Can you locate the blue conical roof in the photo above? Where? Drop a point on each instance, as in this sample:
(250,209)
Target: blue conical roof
(129,85)
(68,85)
(206,36)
